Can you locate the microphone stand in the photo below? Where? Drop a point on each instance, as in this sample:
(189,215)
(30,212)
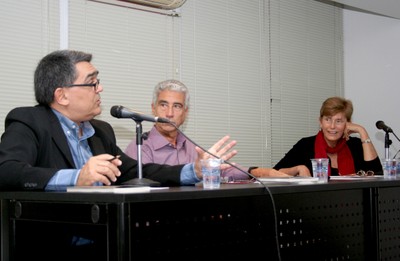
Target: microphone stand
(387,144)
(140,181)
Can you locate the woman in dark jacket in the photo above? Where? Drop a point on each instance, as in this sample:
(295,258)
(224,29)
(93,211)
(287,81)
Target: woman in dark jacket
(347,155)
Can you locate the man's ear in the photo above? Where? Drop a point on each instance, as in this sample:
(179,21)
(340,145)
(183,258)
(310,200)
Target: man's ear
(60,96)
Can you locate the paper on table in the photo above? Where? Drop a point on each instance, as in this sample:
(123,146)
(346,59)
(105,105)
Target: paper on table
(289,179)
(109,189)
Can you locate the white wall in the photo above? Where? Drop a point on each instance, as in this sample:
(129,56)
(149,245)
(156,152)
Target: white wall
(372,74)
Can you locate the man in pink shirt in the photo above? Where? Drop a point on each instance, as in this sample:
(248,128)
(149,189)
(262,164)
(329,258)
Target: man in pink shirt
(164,144)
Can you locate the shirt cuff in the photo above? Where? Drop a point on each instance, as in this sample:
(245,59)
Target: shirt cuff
(188,175)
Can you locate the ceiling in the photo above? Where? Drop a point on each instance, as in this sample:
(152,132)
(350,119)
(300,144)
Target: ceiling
(390,8)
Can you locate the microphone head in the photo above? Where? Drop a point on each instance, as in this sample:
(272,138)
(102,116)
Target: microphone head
(379,124)
(116,111)
(119,111)
(382,126)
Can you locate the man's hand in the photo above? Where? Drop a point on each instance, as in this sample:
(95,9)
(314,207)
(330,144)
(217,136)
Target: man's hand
(220,149)
(102,168)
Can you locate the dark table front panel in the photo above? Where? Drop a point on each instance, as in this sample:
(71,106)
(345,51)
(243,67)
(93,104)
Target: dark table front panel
(204,229)
(329,225)
(46,231)
(335,221)
(198,229)
(388,216)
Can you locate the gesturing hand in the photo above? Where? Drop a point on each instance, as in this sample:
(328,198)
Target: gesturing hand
(221,149)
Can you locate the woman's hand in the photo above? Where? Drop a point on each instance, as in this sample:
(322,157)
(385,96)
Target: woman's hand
(268,172)
(299,170)
(355,128)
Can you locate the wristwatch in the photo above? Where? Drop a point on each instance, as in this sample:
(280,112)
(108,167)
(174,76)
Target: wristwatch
(366,141)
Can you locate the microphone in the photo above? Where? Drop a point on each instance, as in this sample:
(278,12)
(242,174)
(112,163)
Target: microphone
(382,126)
(119,111)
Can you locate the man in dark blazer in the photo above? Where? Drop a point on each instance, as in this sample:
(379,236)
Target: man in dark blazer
(58,143)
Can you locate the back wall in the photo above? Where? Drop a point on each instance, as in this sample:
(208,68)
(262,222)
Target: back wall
(372,71)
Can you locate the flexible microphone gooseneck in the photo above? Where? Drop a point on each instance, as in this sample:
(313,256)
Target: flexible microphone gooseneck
(215,156)
(121,112)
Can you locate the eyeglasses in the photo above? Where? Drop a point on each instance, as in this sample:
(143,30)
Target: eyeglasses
(94,85)
(365,173)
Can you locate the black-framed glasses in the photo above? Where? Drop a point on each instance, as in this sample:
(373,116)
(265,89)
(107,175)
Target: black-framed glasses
(363,173)
(94,85)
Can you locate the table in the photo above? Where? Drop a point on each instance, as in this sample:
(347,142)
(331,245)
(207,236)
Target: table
(341,220)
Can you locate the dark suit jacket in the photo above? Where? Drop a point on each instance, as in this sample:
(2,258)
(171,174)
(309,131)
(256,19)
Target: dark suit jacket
(33,148)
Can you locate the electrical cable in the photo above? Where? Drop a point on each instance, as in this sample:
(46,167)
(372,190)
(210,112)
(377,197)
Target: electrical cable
(251,176)
(394,134)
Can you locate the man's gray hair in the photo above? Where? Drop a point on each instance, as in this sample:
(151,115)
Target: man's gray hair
(171,85)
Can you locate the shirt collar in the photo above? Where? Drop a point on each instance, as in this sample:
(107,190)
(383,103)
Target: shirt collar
(160,141)
(71,128)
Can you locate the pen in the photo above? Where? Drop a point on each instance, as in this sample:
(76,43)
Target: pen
(115,157)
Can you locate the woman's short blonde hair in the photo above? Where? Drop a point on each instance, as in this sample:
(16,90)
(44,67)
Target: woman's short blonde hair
(335,105)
